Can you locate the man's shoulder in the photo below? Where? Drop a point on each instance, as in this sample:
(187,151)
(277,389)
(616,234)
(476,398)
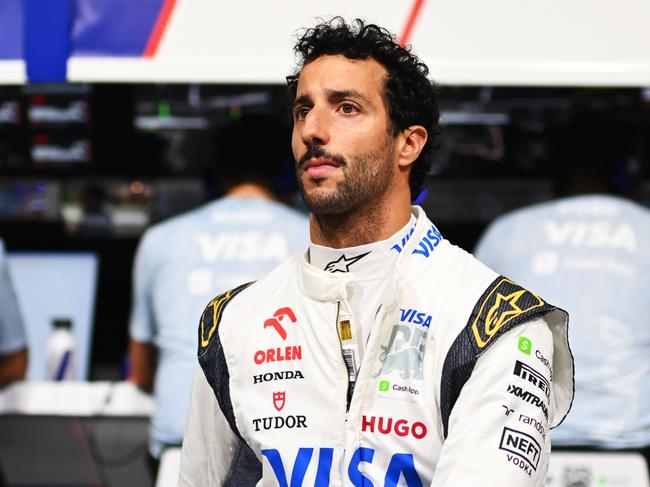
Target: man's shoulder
(259,290)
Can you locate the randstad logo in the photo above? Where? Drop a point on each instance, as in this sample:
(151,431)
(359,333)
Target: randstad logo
(410,315)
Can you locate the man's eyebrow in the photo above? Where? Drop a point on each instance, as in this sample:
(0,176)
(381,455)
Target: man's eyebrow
(337,95)
(303,100)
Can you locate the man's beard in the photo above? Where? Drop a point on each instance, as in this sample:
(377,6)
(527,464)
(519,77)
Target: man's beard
(364,180)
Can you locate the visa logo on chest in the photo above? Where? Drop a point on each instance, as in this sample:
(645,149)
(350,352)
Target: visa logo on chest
(411,315)
(401,466)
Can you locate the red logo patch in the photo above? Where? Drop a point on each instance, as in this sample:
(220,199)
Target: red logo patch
(279,400)
(278,317)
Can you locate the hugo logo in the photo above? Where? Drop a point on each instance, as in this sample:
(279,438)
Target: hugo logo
(279,400)
(278,317)
(400,427)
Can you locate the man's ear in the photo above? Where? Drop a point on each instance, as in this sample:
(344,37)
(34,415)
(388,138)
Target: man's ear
(412,142)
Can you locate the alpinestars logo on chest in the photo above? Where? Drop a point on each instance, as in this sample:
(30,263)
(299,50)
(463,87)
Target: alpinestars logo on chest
(342,264)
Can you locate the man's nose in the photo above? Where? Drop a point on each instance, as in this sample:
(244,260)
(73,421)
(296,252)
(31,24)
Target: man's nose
(315,128)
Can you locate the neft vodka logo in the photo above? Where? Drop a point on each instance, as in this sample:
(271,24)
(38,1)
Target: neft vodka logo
(523,450)
(528,397)
(526,372)
(404,352)
(429,242)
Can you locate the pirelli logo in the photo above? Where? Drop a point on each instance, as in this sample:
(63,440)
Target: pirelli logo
(526,372)
(213,312)
(501,304)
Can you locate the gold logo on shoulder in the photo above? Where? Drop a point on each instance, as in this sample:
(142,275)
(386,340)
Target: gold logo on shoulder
(505,302)
(217,306)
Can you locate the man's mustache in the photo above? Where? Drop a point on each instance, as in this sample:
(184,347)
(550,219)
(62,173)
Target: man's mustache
(315,151)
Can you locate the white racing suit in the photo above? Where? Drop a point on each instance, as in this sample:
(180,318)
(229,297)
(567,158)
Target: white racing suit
(463,375)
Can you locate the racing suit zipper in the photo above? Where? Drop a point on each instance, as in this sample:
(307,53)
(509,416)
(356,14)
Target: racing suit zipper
(348,365)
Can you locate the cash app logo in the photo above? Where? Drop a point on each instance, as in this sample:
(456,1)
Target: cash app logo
(525,345)
(383,385)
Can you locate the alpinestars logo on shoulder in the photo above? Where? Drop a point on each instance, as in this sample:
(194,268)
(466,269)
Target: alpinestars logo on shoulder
(501,304)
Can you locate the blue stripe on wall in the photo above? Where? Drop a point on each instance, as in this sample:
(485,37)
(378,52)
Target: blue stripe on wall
(47,39)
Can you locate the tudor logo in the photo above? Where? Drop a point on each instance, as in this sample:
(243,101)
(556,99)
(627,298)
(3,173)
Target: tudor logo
(276,322)
(279,400)
(279,422)
(503,303)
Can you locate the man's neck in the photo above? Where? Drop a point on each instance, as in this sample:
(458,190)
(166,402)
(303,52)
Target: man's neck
(360,226)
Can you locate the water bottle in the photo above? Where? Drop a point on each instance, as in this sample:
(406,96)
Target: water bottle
(60,351)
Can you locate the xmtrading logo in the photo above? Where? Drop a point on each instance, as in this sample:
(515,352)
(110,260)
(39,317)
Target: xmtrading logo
(384,385)
(525,345)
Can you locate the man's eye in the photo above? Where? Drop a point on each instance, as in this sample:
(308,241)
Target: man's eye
(348,108)
(301,113)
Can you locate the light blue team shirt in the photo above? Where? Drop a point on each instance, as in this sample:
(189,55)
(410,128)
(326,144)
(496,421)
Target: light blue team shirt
(589,255)
(184,262)
(12,335)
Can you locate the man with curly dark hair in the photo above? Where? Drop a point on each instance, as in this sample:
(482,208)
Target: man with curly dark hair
(382,355)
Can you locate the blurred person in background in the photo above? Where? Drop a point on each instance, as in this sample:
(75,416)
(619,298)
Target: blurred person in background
(13,346)
(589,252)
(181,262)
(383,354)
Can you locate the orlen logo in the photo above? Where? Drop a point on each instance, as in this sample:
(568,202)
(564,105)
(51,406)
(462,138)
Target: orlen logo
(400,427)
(279,399)
(278,317)
(279,354)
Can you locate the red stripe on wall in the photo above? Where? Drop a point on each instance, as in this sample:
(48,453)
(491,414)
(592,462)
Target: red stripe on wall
(410,23)
(159,29)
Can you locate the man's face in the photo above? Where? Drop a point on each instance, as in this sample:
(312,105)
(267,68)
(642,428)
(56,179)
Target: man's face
(344,152)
